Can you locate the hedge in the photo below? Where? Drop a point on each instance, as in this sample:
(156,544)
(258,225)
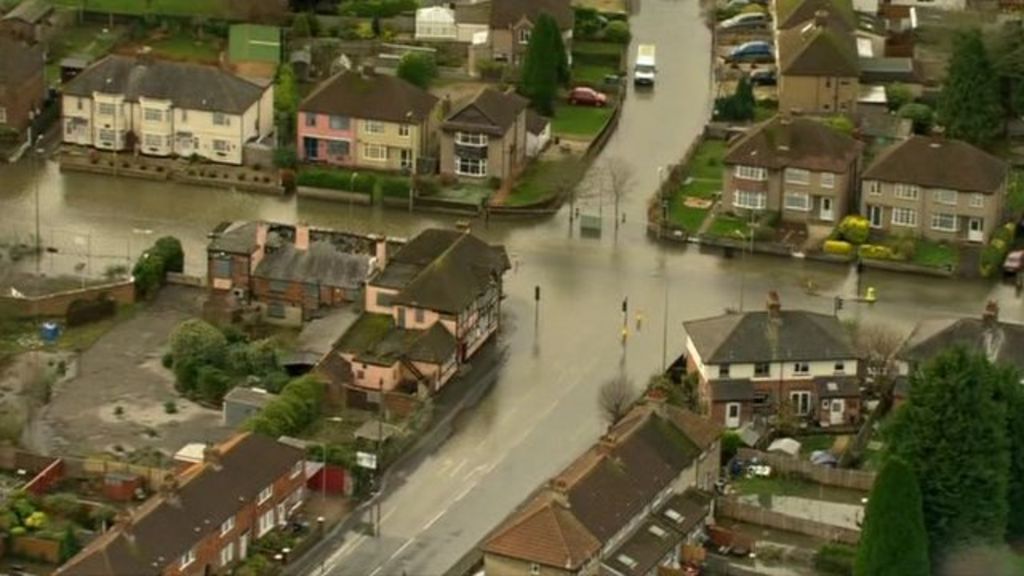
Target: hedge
(292,411)
(584,57)
(377,8)
(854,229)
(838,247)
(394,187)
(85,311)
(835,559)
(337,180)
(993,255)
(876,252)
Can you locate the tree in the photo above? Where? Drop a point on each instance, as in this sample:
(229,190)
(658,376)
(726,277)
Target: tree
(618,178)
(418,68)
(897,96)
(212,384)
(301,27)
(148,274)
(195,344)
(171,253)
(615,397)
(969,105)
(894,509)
(286,104)
(921,115)
(952,433)
(545,67)
(1008,60)
(1012,394)
(740,106)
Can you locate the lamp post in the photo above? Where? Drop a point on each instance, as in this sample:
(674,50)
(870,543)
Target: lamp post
(39,240)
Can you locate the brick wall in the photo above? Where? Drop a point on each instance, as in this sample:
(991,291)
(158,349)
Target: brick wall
(56,305)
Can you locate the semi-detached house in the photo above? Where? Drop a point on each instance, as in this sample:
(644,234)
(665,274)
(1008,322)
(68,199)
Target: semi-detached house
(163,108)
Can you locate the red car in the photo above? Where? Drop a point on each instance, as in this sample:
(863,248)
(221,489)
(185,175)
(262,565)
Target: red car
(583,96)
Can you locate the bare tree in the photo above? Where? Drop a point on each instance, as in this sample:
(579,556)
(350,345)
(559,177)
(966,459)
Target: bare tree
(618,175)
(615,397)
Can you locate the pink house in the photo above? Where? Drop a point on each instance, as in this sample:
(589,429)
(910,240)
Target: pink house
(327,138)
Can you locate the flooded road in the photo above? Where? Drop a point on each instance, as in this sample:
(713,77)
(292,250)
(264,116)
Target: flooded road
(542,410)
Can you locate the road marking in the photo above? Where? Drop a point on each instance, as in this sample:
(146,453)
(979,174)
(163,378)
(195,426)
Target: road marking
(464,492)
(333,559)
(434,519)
(399,551)
(458,467)
(379,568)
(481,468)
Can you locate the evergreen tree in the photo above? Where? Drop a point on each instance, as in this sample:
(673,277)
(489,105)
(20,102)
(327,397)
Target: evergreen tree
(969,106)
(545,66)
(1008,60)
(952,433)
(893,541)
(1013,395)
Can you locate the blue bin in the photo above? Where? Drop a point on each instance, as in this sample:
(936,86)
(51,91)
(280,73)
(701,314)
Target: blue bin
(49,332)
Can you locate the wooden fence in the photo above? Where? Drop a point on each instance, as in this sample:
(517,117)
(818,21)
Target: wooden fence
(839,477)
(93,467)
(730,508)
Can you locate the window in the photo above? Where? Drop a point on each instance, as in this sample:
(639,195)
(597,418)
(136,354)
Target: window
(188,558)
(471,166)
(797,176)
(403,130)
(801,402)
(184,115)
(221,119)
(79,103)
(828,180)
(106,136)
(375,152)
(762,370)
(227,554)
(944,222)
(534,569)
(297,469)
(227,526)
(338,148)
(222,268)
(405,158)
(384,299)
(977,200)
(734,410)
(904,217)
(801,369)
(906,191)
(751,173)
(421,316)
(524,35)
(265,495)
(152,140)
(339,123)
(276,310)
(153,114)
(266,523)
(470,139)
(373,127)
(797,201)
(311,120)
(221,146)
(945,197)
(874,187)
(723,371)
(840,367)
(750,200)
(106,109)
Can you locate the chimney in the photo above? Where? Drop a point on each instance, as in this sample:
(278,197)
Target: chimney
(821,19)
(774,305)
(991,314)
(559,491)
(212,455)
(169,489)
(262,229)
(607,443)
(381,252)
(302,237)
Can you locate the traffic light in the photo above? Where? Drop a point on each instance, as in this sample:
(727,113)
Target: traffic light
(625,305)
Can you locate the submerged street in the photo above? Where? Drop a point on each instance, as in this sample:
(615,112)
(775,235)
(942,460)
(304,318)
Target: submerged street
(541,407)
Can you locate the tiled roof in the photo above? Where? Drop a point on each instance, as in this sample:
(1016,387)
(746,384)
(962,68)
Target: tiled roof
(644,549)
(535,123)
(818,49)
(939,163)
(506,13)
(732,390)
(189,86)
(491,111)
(546,533)
(375,339)
(792,13)
(1001,342)
(322,263)
(30,11)
(838,387)
(370,96)
(784,142)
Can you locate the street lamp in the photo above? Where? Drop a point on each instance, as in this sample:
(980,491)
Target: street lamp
(39,241)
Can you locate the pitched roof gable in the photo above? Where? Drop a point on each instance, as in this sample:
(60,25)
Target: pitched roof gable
(795,12)
(818,49)
(370,96)
(490,111)
(762,337)
(939,163)
(1001,342)
(548,534)
(507,13)
(784,142)
(20,62)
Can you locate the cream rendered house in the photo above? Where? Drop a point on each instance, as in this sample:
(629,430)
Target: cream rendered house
(164,108)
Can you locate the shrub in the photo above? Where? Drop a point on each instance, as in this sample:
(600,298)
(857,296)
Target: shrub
(170,407)
(285,157)
(418,68)
(753,9)
(196,344)
(876,252)
(85,311)
(921,116)
(167,360)
(904,247)
(376,8)
(490,70)
(148,273)
(855,229)
(171,253)
(394,187)
(993,255)
(838,247)
(427,186)
(617,32)
(835,559)
(18,531)
(731,443)
(212,384)
(897,96)
(292,410)
(494,182)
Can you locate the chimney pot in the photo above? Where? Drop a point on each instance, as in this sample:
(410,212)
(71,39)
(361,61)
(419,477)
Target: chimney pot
(991,314)
(774,305)
(302,237)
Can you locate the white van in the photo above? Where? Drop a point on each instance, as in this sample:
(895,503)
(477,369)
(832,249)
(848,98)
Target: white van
(645,70)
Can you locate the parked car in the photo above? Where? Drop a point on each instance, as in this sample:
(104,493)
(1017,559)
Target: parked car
(1014,262)
(756,51)
(748,21)
(583,96)
(740,4)
(764,77)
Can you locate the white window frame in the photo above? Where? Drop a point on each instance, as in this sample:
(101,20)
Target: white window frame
(221,119)
(380,152)
(804,206)
(938,219)
(339,122)
(373,127)
(906,217)
(227,554)
(906,191)
(797,176)
(227,526)
(404,131)
(187,558)
(480,163)
(827,180)
(471,139)
(266,523)
(874,187)
(801,401)
(265,494)
(750,200)
(977,200)
(524,35)
(729,406)
(801,369)
(755,173)
(152,115)
(152,140)
(106,109)
(220,145)
(767,369)
(943,196)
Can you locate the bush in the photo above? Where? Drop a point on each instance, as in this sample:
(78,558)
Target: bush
(921,116)
(196,344)
(427,187)
(494,182)
(292,411)
(85,311)
(376,8)
(169,250)
(167,360)
(490,70)
(993,255)
(897,96)
(418,68)
(212,384)
(148,273)
(617,32)
(337,180)
(835,559)
(394,187)
(731,443)
(876,252)
(855,229)
(170,407)
(904,247)
(753,9)
(285,157)
(838,247)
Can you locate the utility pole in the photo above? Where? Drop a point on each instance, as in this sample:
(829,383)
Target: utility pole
(664,328)
(39,239)
(380,459)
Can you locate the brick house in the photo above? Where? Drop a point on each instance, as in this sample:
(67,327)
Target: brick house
(624,507)
(797,167)
(937,188)
(512,22)
(22,86)
(291,273)
(30,21)
(774,362)
(819,70)
(486,138)
(433,304)
(204,519)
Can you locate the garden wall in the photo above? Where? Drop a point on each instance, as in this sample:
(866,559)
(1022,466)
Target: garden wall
(336,195)
(840,477)
(56,304)
(907,267)
(730,508)
(36,548)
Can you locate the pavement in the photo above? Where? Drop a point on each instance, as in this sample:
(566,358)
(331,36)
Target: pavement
(319,335)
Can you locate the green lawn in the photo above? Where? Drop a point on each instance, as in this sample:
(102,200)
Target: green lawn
(593,75)
(725,226)
(707,161)
(704,181)
(187,47)
(86,39)
(809,444)
(935,255)
(543,180)
(580,121)
(158,7)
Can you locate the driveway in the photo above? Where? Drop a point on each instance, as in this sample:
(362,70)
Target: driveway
(320,335)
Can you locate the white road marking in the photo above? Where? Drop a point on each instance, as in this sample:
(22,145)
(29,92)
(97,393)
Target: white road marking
(400,550)
(458,467)
(464,492)
(434,519)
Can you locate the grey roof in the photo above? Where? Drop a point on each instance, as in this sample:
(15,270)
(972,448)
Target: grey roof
(1001,342)
(939,163)
(248,397)
(443,270)
(506,13)
(374,96)
(491,112)
(764,337)
(884,70)
(732,390)
(435,345)
(189,86)
(20,62)
(787,142)
(818,49)
(644,549)
(234,238)
(323,263)
(535,123)
(838,387)
(683,512)
(30,11)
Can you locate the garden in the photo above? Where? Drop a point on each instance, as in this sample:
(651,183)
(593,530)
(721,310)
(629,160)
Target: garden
(46,529)
(691,201)
(593,62)
(580,122)
(544,180)
(853,238)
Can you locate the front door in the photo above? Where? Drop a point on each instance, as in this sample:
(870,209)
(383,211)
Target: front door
(732,415)
(826,209)
(311,147)
(243,546)
(975,230)
(406,159)
(835,413)
(875,216)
